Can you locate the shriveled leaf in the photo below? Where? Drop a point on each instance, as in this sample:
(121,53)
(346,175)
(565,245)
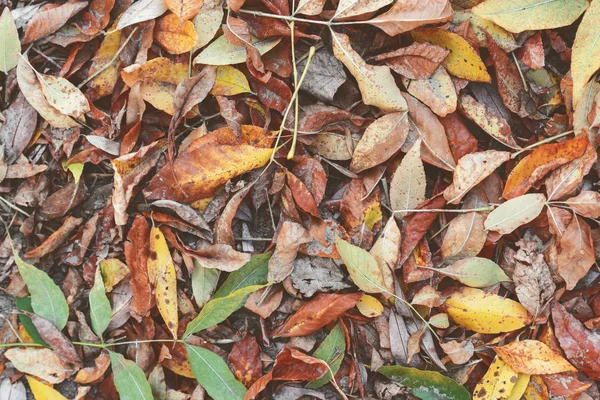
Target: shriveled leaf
(482,312)
(223,52)
(407,188)
(213,374)
(471,170)
(533,357)
(544,159)
(47,300)
(406,15)
(317,313)
(522,15)
(476,272)
(463,61)
(426,385)
(129,378)
(381,140)
(10,46)
(161,271)
(515,212)
(362,267)
(141,11)
(376,83)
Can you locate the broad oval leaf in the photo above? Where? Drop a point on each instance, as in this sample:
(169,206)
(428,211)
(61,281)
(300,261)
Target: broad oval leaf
(175,36)
(230,82)
(475,272)
(533,357)
(522,15)
(208,21)
(586,50)
(515,212)
(482,312)
(129,378)
(222,52)
(376,83)
(214,375)
(436,91)
(362,267)
(426,385)
(219,309)
(140,11)
(100,309)
(64,96)
(47,300)
(465,236)
(10,46)
(407,188)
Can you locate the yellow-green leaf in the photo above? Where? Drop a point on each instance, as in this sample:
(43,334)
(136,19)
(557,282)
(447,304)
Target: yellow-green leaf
(482,312)
(585,60)
(161,271)
(463,61)
(222,52)
(10,46)
(100,310)
(230,82)
(523,15)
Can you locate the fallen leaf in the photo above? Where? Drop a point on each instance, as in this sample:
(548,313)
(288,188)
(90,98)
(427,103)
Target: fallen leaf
(56,239)
(229,82)
(482,27)
(470,170)
(331,350)
(417,61)
(475,272)
(586,203)
(369,306)
(223,52)
(510,84)
(544,159)
(406,15)
(50,18)
(92,374)
(136,254)
(317,313)
(407,188)
(481,312)
(533,357)
(498,381)
(585,60)
(140,11)
(184,9)
(161,272)
(436,91)
(487,119)
(532,52)
(41,391)
(324,76)
(459,352)
(519,16)
(173,35)
(564,180)
(386,251)
(463,61)
(376,83)
(425,384)
(381,140)
(514,213)
(10,48)
(208,21)
(465,236)
(40,362)
(575,252)
(129,378)
(289,238)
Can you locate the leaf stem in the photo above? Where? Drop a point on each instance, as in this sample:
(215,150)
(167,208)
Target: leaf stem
(443,210)
(541,142)
(285,17)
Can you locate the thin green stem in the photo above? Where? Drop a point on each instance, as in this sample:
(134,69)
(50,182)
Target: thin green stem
(20,344)
(541,142)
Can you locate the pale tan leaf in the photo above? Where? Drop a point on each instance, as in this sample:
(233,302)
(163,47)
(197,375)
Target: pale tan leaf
(407,15)
(515,212)
(407,188)
(586,203)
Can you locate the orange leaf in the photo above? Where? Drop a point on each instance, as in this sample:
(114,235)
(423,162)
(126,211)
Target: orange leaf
(543,160)
(184,9)
(533,357)
(175,36)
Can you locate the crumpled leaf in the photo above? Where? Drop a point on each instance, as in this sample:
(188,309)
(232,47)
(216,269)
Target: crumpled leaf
(481,312)
(533,357)
(376,83)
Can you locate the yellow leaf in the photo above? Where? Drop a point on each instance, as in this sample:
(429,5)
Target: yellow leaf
(480,26)
(586,49)
(497,383)
(482,312)
(229,82)
(159,69)
(76,169)
(534,358)
(463,61)
(536,389)
(520,387)
(104,83)
(43,392)
(369,306)
(175,36)
(376,83)
(522,15)
(161,271)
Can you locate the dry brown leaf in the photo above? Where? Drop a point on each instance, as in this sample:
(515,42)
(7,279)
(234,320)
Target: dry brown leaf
(417,61)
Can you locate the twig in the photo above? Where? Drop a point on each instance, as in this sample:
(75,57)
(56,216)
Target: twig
(541,142)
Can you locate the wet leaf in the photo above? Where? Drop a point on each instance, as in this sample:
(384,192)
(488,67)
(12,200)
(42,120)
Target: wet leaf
(515,212)
(475,272)
(481,312)
(519,16)
(426,385)
(376,83)
(533,357)
(317,313)
(213,374)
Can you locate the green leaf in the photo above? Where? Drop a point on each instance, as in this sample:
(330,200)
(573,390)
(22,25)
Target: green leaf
(204,282)
(222,52)
(253,273)
(475,272)
(10,46)
(331,350)
(47,300)
(523,15)
(426,385)
(219,308)
(24,304)
(129,379)
(100,309)
(362,267)
(214,375)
